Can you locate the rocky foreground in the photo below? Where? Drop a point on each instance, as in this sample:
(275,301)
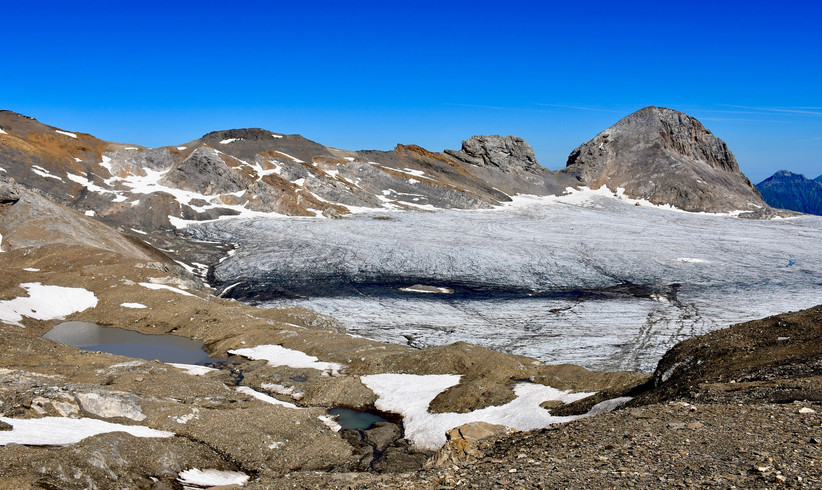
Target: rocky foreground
(676,444)
(740,407)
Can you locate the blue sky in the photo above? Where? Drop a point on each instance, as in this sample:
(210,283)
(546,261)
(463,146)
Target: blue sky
(369,75)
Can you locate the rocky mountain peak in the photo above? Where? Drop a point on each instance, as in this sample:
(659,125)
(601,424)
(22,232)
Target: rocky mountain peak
(665,156)
(247,134)
(508,153)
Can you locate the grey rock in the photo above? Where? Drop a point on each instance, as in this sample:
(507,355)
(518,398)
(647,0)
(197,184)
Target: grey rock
(9,191)
(110,405)
(382,434)
(205,172)
(508,153)
(134,160)
(666,157)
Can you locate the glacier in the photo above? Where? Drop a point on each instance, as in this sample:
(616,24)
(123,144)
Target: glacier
(587,278)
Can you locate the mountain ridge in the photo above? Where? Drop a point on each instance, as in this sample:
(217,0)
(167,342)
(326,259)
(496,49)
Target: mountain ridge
(656,154)
(787,190)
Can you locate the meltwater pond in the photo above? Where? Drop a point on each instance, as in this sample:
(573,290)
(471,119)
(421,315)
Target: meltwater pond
(355,419)
(93,337)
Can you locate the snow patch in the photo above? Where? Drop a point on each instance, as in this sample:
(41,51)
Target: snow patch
(76,178)
(31,269)
(276,135)
(266,398)
(106,163)
(3,132)
(44,173)
(90,212)
(691,260)
(297,160)
(181,148)
(150,285)
(211,478)
(230,140)
(193,369)
(66,133)
(330,422)
(45,303)
(277,355)
(53,431)
(136,306)
(410,394)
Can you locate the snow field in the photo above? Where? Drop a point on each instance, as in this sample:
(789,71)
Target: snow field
(277,355)
(410,395)
(45,303)
(51,431)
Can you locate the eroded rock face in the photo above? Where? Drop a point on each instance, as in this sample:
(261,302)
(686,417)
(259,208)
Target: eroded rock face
(508,153)
(666,157)
(206,173)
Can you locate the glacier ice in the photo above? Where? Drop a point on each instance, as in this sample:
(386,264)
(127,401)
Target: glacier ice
(595,281)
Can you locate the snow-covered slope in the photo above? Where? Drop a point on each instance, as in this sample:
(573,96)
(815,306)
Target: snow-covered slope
(586,278)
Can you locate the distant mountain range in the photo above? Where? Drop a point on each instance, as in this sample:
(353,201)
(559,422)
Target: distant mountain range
(787,190)
(656,154)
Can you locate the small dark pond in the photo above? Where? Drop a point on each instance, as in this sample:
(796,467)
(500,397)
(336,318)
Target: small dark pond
(354,419)
(165,348)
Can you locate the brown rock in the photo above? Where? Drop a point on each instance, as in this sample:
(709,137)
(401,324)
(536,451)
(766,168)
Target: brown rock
(461,443)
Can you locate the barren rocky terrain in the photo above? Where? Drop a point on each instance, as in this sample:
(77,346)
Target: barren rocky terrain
(89,234)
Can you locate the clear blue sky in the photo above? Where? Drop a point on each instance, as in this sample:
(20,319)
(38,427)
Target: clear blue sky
(368,75)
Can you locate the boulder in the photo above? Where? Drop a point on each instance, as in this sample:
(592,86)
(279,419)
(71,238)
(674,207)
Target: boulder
(9,191)
(462,443)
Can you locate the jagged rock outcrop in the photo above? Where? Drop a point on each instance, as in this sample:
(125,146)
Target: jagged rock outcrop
(508,153)
(787,190)
(206,173)
(666,157)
